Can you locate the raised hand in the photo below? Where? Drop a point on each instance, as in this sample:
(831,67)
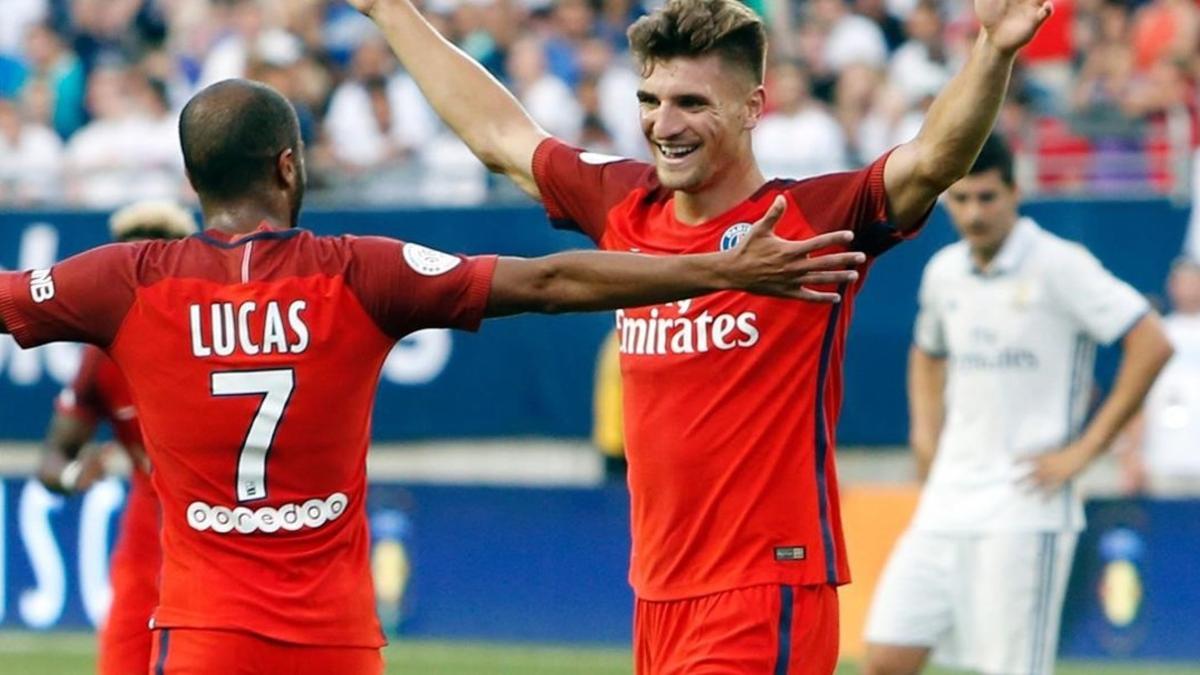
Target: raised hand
(766,264)
(1011,24)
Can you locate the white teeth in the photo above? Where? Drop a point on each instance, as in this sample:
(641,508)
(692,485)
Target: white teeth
(675,152)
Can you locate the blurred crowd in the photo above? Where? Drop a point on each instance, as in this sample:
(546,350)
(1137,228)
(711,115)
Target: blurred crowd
(90,90)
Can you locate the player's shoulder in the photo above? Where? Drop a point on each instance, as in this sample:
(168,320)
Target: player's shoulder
(949,261)
(1058,256)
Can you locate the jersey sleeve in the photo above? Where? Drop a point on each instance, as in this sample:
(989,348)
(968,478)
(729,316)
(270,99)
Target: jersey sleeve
(83,398)
(1103,305)
(580,188)
(407,287)
(929,333)
(81,299)
(853,200)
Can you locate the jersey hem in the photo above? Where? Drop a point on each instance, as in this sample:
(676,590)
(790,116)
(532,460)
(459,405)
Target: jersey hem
(480,289)
(701,590)
(179,619)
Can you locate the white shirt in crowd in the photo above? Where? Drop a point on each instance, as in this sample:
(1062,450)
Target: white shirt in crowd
(551,104)
(31,167)
(354,133)
(855,39)
(113,162)
(1171,440)
(18,16)
(915,74)
(807,143)
(1020,345)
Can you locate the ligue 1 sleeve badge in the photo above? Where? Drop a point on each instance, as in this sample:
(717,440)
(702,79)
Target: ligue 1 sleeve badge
(427,261)
(733,236)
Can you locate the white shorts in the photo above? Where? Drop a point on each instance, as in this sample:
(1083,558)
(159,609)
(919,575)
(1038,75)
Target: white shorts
(987,602)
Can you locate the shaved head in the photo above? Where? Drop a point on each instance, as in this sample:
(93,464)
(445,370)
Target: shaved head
(233,134)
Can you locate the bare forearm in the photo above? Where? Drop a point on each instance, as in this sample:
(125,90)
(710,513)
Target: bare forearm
(469,100)
(963,114)
(587,280)
(926,384)
(1144,353)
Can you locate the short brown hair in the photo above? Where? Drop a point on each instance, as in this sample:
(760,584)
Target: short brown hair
(694,28)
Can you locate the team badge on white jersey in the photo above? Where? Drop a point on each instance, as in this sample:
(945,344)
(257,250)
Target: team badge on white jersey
(429,262)
(733,236)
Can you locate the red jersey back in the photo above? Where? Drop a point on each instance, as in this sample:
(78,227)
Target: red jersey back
(731,400)
(253,364)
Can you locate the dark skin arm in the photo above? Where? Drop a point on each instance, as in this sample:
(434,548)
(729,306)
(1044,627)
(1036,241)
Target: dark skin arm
(64,442)
(585,281)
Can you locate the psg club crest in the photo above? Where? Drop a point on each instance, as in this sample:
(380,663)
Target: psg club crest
(733,236)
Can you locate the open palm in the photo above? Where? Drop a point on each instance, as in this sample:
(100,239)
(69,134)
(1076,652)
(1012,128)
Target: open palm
(1011,24)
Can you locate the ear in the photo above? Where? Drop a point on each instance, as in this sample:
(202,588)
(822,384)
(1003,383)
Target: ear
(756,104)
(286,170)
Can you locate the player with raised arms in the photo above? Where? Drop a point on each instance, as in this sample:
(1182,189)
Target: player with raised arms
(731,402)
(253,349)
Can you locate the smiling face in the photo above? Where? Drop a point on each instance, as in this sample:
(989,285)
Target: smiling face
(696,115)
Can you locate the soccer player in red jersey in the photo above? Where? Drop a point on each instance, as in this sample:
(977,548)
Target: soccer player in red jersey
(100,394)
(730,401)
(252,352)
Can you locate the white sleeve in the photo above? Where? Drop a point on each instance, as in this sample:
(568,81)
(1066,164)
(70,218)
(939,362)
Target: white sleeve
(929,333)
(1103,305)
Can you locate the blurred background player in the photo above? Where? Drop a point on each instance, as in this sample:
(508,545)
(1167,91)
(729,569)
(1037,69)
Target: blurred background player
(730,402)
(608,417)
(98,395)
(254,350)
(1162,453)
(999,378)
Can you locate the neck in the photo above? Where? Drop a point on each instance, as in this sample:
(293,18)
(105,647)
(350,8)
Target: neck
(735,186)
(242,217)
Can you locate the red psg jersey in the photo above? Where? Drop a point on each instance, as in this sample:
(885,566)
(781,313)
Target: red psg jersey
(731,400)
(253,364)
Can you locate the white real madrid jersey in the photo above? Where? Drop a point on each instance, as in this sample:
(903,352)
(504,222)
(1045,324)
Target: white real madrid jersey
(1019,339)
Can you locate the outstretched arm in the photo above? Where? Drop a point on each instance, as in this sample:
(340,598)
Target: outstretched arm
(962,115)
(762,264)
(468,99)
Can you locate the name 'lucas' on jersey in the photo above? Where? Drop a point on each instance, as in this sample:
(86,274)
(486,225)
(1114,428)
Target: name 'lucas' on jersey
(274,327)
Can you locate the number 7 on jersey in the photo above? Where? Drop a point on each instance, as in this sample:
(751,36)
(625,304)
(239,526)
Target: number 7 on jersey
(275,386)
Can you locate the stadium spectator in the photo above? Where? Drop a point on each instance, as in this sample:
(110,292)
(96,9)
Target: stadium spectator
(68,465)
(616,95)
(545,96)
(129,151)
(54,67)
(377,115)
(999,375)
(274,338)
(726,549)
(849,38)
(30,159)
(1162,453)
(921,66)
(1165,29)
(797,138)
(19,16)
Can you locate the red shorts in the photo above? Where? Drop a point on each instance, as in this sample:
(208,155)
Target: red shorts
(198,651)
(133,572)
(760,630)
